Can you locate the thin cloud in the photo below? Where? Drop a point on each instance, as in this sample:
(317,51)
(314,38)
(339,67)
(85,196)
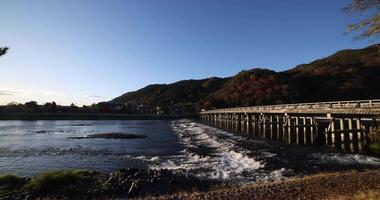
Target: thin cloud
(92,96)
(42,96)
(8,92)
(23,92)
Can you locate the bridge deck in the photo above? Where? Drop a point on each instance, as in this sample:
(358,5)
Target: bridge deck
(358,107)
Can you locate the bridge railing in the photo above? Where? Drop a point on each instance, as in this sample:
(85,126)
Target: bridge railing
(373,103)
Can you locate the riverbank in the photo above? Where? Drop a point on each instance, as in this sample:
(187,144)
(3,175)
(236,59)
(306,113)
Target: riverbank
(167,184)
(87,184)
(339,185)
(91,116)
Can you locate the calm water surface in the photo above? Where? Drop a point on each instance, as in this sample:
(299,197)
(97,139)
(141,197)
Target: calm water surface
(29,147)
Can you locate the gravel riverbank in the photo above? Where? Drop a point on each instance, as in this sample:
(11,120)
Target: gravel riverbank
(339,185)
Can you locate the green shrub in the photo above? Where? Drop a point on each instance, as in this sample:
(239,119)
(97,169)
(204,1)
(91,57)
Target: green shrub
(375,148)
(10,183)
(59,182)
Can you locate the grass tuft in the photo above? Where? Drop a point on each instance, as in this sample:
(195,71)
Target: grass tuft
(10,184)
(59,182)
(375,148)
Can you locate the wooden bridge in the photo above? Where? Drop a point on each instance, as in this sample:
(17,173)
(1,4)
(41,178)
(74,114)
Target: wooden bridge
(349,125)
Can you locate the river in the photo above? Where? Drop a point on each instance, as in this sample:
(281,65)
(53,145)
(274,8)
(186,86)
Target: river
(30,147)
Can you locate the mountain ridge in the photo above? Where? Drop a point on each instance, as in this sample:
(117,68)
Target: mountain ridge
(346,74)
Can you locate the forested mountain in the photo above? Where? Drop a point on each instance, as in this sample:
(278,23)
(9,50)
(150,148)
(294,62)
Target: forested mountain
(187,92)
(347,74)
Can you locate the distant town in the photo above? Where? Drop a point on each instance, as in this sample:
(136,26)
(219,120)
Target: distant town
(101,107)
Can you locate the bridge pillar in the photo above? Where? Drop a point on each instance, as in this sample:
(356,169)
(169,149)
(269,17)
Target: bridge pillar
(254,125)
(271,126)
(225,120)
(228,121)
(278,127)
(330,131)
(374,131)
(248,123)
(221,116)
(359,134)
(259,126)
(342,134)
(238,122)
(234,122)
(231,117)
(264,124)
(289,120)
(312,133)
(304,130)
(284,124)
(333,139)
(217,120)
(351,134)
(243,123)
(221,120)
(297,130)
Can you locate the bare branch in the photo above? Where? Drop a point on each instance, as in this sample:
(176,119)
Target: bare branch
(360,6)
(3,51)
(371,26)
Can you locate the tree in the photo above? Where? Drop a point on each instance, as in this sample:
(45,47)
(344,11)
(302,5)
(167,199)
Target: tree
(31,104)
(3,50)
(370,26)
(50,106)
(53,105)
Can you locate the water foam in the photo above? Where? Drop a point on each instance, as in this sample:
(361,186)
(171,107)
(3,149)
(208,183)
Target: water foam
(347,159)
(220,158)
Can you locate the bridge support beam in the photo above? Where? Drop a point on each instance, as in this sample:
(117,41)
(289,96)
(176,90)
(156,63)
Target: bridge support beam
(342,134)
(320,123)
(254,125)
(248,123)
(289,120)
(304,130)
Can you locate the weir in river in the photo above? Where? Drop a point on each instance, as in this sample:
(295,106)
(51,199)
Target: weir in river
(347,125)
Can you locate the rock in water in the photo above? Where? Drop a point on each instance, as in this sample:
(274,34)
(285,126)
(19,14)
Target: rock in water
(112,136)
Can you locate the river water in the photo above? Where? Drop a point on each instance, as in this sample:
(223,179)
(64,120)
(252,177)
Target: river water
(30,147)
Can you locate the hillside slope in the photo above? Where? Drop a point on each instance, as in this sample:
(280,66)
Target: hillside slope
(347,74)
(188,92)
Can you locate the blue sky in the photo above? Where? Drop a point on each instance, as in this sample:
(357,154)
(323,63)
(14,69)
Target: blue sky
(85,51)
